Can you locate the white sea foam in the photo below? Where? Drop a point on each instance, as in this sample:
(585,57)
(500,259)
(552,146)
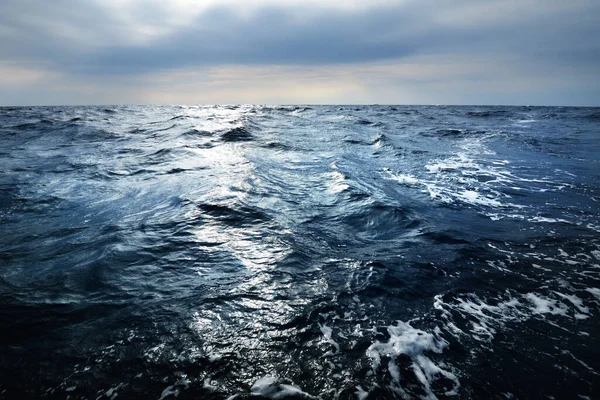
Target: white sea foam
(484,325)
(327,333)
(405,179)
(474,197)
(576,301)
(457,179)
(545,305)
(485,318)
(548,220)
(169,391)
(209,384)
(594,291)
(471,176)
(175,389)
(273,388)
(414,343)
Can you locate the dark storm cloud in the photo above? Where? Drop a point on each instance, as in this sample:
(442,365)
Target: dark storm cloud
(87,38)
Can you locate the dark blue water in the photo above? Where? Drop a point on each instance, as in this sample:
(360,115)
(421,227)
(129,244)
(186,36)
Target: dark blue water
(334,252)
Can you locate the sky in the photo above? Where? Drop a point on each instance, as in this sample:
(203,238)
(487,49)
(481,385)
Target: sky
(521,52)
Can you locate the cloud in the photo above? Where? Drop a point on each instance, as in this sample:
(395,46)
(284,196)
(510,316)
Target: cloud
(128,41)
(134,36)
(413,80)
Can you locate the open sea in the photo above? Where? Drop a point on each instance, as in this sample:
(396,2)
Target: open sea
(306,252)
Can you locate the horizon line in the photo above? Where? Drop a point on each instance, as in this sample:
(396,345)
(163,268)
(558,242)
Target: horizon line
(293,105)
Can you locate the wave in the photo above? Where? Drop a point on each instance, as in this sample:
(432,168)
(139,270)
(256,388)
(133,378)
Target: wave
(278,146)
(489,113)
(322,251)
(593,115)
(197,132)
(457,133)
(238,134)
(235,216)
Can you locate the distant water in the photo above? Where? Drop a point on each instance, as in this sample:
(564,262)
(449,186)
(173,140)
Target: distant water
(329,252)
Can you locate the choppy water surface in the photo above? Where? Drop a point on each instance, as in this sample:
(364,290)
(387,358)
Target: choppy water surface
(329,252)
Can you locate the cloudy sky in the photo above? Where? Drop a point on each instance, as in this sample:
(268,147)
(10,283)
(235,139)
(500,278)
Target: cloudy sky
(538,52)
